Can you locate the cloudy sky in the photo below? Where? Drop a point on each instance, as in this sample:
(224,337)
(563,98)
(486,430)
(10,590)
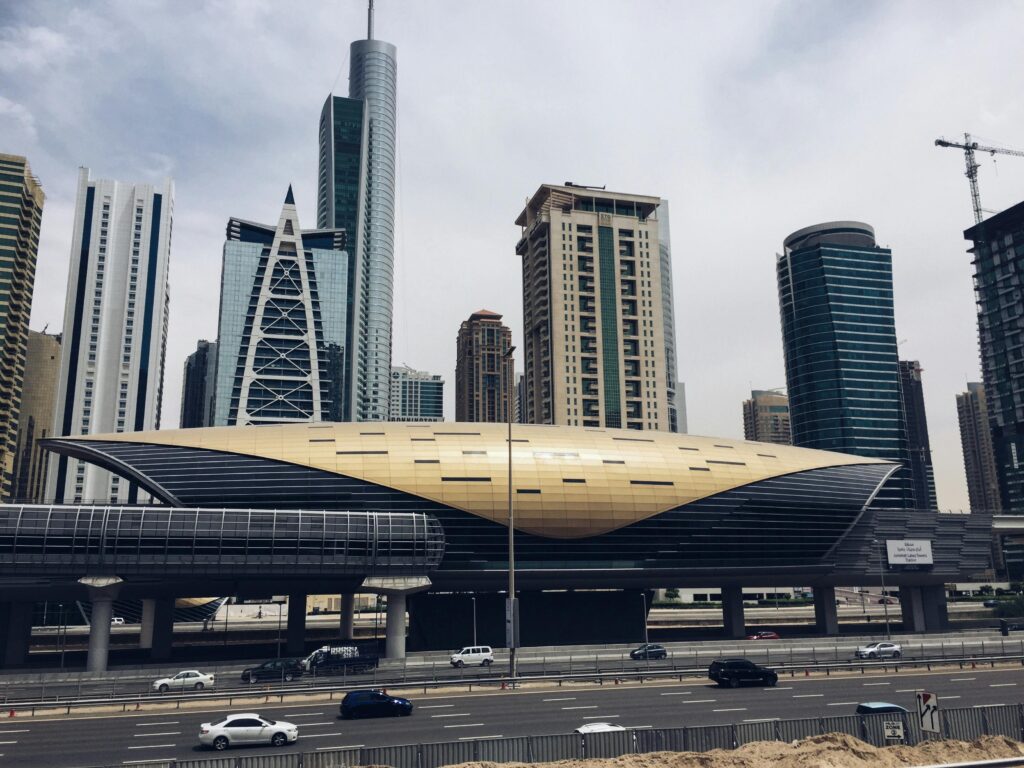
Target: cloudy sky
(754,119)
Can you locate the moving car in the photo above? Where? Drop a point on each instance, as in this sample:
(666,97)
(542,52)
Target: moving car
(191,679)
(879,651)
(990,603)
(649,651)
(338,659)
(737,672)
(879,708)
(116,621)
(764,634)
(599,728)
(887,601)
(473,654)
(373,704)
(276,669)
(247,728)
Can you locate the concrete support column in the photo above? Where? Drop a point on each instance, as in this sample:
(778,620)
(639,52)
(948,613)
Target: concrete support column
(296,641)
(347,628)
(933,598)
(146,624)
(16,633)
(394,644)
(826,616)
(912,609)
(99,632)
(162,632)
(732,612)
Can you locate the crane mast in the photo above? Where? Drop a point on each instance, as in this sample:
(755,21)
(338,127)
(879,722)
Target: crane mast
(969,146)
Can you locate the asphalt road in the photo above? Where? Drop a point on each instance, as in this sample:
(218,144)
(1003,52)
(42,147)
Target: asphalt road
(125,739)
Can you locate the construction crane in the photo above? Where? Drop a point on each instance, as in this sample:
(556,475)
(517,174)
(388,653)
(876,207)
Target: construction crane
(969,147)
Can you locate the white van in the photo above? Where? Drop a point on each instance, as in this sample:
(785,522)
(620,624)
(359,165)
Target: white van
(473,654)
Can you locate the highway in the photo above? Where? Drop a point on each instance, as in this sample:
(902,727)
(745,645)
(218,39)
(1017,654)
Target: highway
(125,739)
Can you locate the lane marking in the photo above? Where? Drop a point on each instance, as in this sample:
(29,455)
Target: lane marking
(635,727)
(944,698)
(469,738)
(762,720)
(436,706)
(326,722)
(8,742)
(961,679)
(979,706)
(674,693)
(454,714)
(161,722)
(909,690)
(877,683)
(565,698)
(154,746)
(465,725)
(600,717)
(587,706)
(699,701)
(808,695)
(343,746)
(840,703)
(766,690)
(1001,685)
(19,730)
(151,735)
(151,760)
(304,714)
(735,709)
(321,735)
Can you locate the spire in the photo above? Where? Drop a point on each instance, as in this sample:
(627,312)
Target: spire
(289,199)
(369,21)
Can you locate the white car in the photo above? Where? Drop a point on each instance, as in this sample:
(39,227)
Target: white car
(879,651)
(478,655)
(247,728)
(189,680)
(599,728)
(116,621)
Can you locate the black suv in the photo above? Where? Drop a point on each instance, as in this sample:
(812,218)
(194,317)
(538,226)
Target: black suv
(648,651)
(737,672)
(284,670)
(373,704)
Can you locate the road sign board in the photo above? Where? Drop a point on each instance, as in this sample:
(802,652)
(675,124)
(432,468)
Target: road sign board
(928,711)
(893,729)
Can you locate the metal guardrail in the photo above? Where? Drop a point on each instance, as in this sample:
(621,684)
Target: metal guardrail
(279,694)
(965,724)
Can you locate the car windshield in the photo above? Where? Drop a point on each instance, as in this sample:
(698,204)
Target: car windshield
(270,722)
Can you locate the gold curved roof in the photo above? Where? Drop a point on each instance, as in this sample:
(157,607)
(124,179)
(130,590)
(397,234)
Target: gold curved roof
(569,482)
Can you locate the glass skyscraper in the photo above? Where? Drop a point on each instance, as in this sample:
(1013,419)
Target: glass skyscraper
(356,192)
(839,339)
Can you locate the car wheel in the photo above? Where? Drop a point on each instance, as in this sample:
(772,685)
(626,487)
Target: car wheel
(734,682)
(278,740)
(164,688)
(252,678)
(460,664)
(896,654)
(486,662)
(199,686)
(773,681)
(288,677)
(220,743)
(872,655)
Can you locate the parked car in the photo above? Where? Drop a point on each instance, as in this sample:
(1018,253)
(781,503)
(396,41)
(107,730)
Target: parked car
(191,679)
(737,672)
(599,728)
(116,621)
(275,669)
(879,651)
(481,655)
(247,728)
(879,708)
(649,651)
(373,704)
(764,634)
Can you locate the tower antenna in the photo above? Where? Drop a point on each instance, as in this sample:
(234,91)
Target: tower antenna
(369,21)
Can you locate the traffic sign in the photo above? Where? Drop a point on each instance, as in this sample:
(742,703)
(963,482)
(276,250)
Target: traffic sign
(893,729)
(928,711)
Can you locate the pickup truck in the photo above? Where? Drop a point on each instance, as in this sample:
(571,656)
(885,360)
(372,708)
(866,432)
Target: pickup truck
(339,659)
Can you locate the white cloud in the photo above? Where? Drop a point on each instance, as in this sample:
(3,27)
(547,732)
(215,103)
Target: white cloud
(16,124)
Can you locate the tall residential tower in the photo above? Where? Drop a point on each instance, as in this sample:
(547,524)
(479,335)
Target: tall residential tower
(21,212)
(976,442)
(593,311)
(199,386)
(35,422)
(356,192)
(416,395)
(766,417)
(484,376)
(922,475)
(115,326)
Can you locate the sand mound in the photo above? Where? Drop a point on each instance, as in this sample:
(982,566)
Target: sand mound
(833,750)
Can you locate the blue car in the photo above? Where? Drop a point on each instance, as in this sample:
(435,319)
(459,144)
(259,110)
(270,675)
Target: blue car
(373,704)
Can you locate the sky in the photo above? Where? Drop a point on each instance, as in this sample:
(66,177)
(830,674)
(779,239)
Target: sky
(754,119)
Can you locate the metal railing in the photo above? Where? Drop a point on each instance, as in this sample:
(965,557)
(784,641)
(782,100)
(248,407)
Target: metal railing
(966,724)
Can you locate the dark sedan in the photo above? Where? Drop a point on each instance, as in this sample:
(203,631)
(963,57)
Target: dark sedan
(283,670)
(373,704)
(736,672)
(648,651)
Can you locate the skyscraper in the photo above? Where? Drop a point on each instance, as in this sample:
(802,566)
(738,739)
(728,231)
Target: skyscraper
(484,377)
(281,352)
(766,417)
(976,441)
(593,312)
(416,395)
(839,339)
(922,475)
(21,212)
(998,265)
(356,192)
(199,386)
(673,387)
(35,422)
(115,326)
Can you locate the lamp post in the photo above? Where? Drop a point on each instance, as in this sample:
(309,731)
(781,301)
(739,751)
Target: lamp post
(279,612)
(881,575)
(511,619)
(643,615)
(473,598)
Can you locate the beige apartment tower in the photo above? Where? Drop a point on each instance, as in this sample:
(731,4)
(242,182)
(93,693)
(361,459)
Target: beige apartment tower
(35,422)
(593,316)
(766,417)
(979,456)
(484,389)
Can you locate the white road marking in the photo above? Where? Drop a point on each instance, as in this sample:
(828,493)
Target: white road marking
(699,701)
(8,742)
(876,683)
(600,717)
(160,722)
(840,703)
(566,698)
(162,733)
(762,720)
(153,746)
(1001,685)
(674,693)
(465,725)
(305,714)
(961,679)
(635,727)
(909,690)
(808,695)
(326,722)
(19,730)
(735,709)
(320,735)
(468,738)
(453,714)
(343,746)
(149,760)
(790,688)
(436,706)
(587,706)
(946,698)
(979,706)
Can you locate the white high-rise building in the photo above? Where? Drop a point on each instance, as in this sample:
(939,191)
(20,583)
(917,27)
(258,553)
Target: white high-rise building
(115,326)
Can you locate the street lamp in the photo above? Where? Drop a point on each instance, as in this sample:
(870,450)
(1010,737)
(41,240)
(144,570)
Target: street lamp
(881,575)
(643,615)
(280,606)
(473,598)
(511,618)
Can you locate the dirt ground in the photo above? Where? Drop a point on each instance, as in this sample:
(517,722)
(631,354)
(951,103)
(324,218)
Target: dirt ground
(833,750)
